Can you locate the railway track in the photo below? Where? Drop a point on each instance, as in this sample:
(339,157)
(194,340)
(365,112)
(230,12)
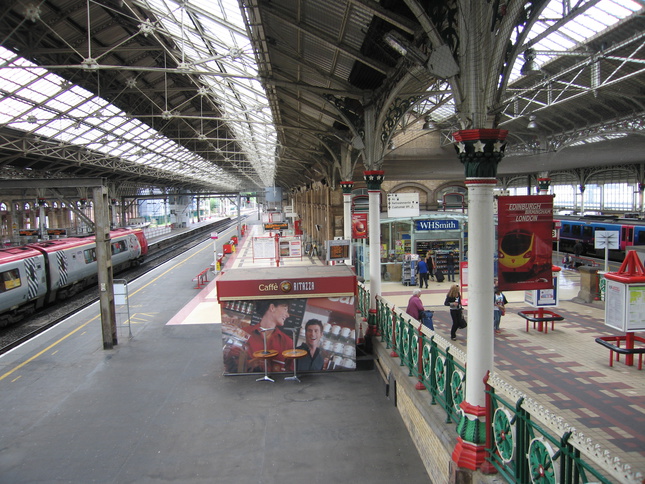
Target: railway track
(16,334)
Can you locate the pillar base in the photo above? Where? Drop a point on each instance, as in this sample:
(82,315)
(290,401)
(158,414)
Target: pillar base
(467,455)
(471,453)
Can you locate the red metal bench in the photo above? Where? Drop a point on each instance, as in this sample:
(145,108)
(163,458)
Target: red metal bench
(201,279)
(541,316)
(629,353)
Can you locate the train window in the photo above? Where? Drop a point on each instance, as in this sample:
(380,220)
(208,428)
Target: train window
(566,228)
(587,231)
(10,280)
(90,256)
(639,238)
(118,247)
(575,230)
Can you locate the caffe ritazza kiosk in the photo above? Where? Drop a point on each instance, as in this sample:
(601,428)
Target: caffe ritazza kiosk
(289,320)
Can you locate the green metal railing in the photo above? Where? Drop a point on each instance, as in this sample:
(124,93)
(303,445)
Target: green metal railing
(520,450)
(433,366)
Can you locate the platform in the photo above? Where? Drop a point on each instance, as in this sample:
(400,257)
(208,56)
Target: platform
(158,409)
(565,369)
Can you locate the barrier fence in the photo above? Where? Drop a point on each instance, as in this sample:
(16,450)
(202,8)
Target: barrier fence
(525,442)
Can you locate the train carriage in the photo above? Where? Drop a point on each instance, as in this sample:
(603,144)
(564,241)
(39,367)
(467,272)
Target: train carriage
(631,232)
(43,272)
(23,283)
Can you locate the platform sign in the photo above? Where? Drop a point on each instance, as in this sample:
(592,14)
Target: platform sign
(625,306)
(120,293)
(543,298)
(337,249)
(263,248)
(290,247)
(607,239)
(214,235)
(402,205)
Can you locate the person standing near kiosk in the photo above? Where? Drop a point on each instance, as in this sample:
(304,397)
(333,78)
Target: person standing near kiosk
(450,266)
(422,269)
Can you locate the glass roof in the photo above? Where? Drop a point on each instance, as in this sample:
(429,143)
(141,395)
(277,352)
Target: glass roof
(579,29)
(212,39)
(212,36)
(576,31)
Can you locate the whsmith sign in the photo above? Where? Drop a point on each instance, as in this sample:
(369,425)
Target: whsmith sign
(437,225)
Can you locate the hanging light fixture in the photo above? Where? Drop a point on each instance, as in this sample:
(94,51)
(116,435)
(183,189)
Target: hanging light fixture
(428,123)
(390,145)
(532,124)
(530,66)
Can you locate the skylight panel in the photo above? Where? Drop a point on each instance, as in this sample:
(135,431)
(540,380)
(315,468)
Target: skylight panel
(590,25)
(18,77)
(12,108)
(32,93)
(69,113)
(222,29)
(580,28)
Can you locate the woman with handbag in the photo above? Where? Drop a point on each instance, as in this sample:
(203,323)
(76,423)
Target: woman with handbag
(500,309)
(453,300)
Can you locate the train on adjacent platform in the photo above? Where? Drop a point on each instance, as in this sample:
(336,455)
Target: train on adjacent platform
(631,233)
(37,274)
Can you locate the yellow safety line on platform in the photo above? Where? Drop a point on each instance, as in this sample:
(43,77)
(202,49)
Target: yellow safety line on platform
(5,375)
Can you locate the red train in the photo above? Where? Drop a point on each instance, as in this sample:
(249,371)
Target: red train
(37,274)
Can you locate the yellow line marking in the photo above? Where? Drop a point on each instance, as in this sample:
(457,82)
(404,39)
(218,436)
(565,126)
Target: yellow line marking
(2,377)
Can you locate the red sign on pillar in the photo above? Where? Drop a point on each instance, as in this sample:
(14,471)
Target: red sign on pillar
(359,226)
(524,239)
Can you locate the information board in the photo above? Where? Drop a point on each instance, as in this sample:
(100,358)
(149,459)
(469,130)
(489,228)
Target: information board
(264,248)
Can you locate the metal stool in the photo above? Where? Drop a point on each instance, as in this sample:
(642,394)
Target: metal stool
(294,354)
(265,355)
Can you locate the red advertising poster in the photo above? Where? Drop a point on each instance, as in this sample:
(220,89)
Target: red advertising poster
(359,226)
(524,242)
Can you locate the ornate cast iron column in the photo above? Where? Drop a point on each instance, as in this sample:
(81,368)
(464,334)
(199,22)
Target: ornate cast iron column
(543,185)
(373,179)
(480,150)
(347,187)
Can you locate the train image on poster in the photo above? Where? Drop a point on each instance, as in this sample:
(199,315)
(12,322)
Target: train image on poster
(524,236)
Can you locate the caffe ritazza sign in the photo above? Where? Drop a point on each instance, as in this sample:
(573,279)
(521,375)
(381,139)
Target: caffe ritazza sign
(283,282)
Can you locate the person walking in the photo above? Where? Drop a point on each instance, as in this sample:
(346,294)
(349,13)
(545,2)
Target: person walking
(450,266)
(422,270)
(453,300)
(578,249)
(430,264)
(500,309)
